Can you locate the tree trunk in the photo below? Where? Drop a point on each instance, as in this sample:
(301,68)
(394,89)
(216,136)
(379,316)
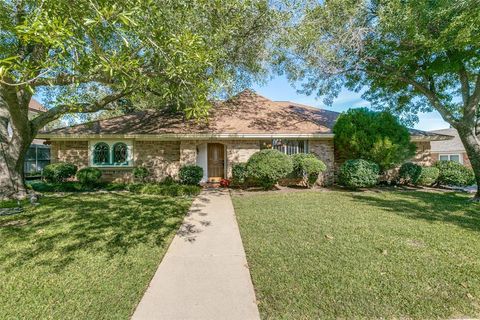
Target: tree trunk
(12,156)
(472,146)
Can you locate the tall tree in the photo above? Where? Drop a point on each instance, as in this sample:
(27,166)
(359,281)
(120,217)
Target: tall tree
(95,54)
(408,56)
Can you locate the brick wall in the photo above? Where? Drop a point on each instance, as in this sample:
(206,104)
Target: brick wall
(239,151)
(75,152)
(162,158)
(423,154)
(324,150)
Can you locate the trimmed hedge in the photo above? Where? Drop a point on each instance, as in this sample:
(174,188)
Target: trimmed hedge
(454,174)
(89,176)
(140,173)
(358,173)
(409,173)
(191,174)
(266,167)
(239,173)
(427,176)
(59,172)
(171,190)
(308,167)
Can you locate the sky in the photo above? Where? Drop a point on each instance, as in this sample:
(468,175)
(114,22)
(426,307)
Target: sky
(279,89)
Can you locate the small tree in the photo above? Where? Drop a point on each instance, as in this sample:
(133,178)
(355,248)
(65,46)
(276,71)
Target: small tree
(375,136)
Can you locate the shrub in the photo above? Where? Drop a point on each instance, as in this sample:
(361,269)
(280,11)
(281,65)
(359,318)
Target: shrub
(168,180)
(454,174)
(89,176)
(308,167)
(409,172)
(239,173)
(358,173)
(427,176)
(59,172)
(374,136)
(191,174)
(266,167)
(116,186)
(140,173)
(170,190)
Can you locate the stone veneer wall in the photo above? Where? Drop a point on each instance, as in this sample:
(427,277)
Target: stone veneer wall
(162,158)
(239,151)
(324,150)
(75,152)
(423,156)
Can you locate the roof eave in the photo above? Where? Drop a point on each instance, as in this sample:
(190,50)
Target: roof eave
(187,136)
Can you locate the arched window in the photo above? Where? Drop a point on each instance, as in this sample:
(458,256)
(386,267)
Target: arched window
(120,153)
(101,153)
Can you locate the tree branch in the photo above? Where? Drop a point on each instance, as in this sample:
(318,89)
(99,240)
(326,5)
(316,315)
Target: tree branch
(65,79)
(54,113)
(465,86)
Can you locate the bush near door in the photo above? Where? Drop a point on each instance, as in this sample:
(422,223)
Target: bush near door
(191,174)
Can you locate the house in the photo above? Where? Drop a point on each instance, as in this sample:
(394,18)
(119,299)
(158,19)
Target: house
(452,149)
(38,154)
(236,129)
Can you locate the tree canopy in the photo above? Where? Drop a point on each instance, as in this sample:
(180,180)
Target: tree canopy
(94,55)
(374,136)
(406,56)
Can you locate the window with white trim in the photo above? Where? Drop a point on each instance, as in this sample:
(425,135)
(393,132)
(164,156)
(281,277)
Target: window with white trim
(455,157)
(287,146)
(105,153)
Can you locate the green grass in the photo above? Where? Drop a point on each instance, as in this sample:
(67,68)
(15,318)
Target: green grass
(334,254)
(84,256)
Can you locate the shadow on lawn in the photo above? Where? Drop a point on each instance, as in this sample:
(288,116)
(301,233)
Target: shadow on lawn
(60,228)
(451,208)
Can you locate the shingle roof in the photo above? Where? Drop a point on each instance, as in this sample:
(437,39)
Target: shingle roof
(452,145)
(35,106)
(245,113)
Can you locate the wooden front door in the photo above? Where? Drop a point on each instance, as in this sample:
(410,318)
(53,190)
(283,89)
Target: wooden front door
(216,161)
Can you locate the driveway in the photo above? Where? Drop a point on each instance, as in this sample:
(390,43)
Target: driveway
(204,274)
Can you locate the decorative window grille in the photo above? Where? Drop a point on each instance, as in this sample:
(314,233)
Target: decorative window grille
(290,146)
(120,153)
(101,154)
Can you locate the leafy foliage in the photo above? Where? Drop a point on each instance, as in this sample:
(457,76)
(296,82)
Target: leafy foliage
(140,173)
(428,176)
(358,173)
(59,172)
(409,172)
(191,174)
(406,57)
(239,173)
(375,136)
(308,167)
(89,176)
(172,190)
(454,174)
(266,167)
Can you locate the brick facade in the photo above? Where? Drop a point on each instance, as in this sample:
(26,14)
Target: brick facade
(75,152)
(164,158)
(423,154)
(324,150)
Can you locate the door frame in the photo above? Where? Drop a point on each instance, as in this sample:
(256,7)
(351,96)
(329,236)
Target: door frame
(224,159)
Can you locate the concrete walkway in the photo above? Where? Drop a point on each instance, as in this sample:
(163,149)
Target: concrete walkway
(204,274)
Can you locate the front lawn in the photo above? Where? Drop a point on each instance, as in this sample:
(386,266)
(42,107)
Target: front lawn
(388,254)
(84,256)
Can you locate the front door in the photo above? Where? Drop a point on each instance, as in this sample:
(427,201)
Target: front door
(216,161)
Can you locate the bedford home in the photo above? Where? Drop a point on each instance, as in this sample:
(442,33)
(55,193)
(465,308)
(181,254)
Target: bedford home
(236,129)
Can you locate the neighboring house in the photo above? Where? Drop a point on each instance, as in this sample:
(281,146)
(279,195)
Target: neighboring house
(452,150)
(236,129)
